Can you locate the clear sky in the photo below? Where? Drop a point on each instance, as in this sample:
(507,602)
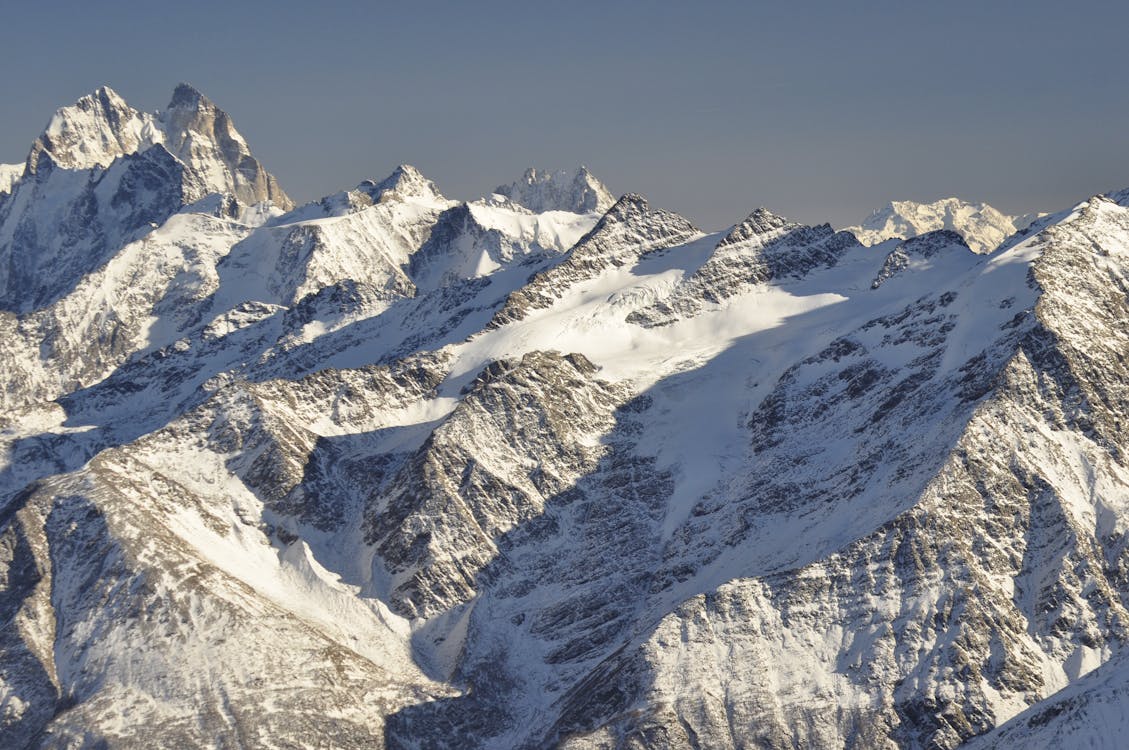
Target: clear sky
(822,111)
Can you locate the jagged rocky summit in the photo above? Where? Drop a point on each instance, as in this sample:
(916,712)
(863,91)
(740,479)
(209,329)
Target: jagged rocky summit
(982,227)
(544,469)
(103,174)
(542,190)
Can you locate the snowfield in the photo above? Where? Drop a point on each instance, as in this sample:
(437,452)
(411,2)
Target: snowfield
(546,468)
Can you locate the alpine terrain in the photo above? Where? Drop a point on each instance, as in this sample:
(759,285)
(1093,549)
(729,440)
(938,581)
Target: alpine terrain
(547,468)
(982,226)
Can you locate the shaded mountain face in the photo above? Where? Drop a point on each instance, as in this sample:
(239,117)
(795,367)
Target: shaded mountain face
(103,175)
(545,469)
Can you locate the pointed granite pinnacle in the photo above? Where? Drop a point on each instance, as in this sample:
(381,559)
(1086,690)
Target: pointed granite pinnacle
(759,222)
(185,95)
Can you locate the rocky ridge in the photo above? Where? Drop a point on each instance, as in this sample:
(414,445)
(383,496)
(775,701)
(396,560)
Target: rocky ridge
(982,227)
(507,473)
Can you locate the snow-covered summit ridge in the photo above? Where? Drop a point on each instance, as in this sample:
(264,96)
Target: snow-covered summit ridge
(101,127)
(758,224)
(405,182)
(540,190)
(981,225)
(92,132)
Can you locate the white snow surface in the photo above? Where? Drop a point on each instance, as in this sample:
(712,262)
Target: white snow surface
(542,190)
(9,174)
(282,477)
(982,226)
(101,128)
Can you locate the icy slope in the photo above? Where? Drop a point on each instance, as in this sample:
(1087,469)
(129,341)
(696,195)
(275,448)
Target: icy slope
(1003,583)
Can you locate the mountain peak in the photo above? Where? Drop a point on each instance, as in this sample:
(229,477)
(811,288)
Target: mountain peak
(758,223)
(187,95)
(629,204)
(103,94)
(931,243)
(982,226)
(93,131)
(204,137)
(101,127)
(405,181)
(922,247)
(541,190)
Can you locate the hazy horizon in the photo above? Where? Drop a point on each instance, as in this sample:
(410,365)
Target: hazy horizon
(819,112)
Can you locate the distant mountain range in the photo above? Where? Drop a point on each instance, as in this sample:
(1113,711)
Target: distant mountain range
(981,226)
(547,468)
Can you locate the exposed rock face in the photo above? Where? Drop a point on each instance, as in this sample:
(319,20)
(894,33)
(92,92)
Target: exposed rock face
(202,136)
(103,175)
(438,523)
(760,249)
(541,190)
(389,470)
(628,231)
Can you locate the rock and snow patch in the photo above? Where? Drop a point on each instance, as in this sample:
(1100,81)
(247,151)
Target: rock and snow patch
(982,226)
(577,192)
(390,468)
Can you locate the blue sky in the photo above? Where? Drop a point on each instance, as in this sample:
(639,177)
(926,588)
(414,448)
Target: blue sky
(821,111)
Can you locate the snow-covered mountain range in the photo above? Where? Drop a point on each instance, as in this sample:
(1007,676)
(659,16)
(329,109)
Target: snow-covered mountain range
(546,468)
(982,226)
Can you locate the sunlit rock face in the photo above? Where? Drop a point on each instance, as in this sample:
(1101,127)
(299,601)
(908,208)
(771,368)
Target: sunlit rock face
(542,469)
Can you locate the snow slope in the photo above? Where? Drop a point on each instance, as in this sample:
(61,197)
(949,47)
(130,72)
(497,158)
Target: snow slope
(541,190)
(982,226)
(103,175)
(544,469)
(9,174)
